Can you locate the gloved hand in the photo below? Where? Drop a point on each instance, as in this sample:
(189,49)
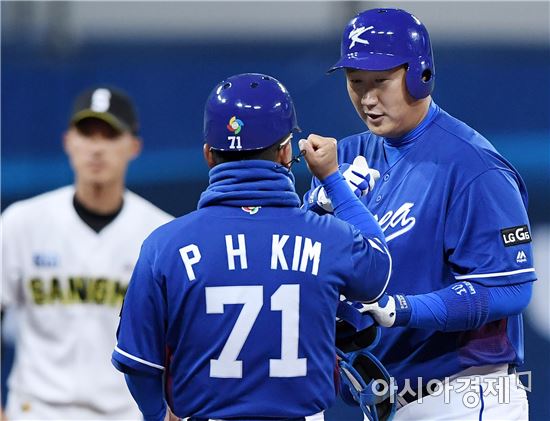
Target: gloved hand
(360,179)
(389,311)
(359,176)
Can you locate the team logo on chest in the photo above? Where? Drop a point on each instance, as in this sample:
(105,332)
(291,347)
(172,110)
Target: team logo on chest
(45,260)
(397,223)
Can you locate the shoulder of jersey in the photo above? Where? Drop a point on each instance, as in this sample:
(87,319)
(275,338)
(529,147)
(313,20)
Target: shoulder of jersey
(153,214)
(334,227)
(464,145)
(40,204)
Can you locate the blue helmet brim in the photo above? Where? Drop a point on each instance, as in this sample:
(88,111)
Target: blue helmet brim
(375,62)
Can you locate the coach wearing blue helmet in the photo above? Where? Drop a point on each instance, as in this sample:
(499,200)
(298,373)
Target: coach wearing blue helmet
(235,303)
(454,215)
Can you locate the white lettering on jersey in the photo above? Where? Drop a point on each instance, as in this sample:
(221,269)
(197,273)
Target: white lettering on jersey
(356,33)
(400,218)
(311,252)
(305,251)
(277,255)
(233,252)
(190,255)
(296,257)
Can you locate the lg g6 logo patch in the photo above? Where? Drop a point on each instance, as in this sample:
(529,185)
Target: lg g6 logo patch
(515,235)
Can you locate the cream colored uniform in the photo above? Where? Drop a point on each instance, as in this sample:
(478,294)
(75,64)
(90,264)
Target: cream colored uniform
(68,283)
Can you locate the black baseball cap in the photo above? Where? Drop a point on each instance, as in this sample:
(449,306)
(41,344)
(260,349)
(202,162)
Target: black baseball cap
(110,105)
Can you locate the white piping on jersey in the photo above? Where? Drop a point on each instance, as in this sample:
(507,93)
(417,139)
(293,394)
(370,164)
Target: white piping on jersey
(374,245)
(493,275)
(139,360)
(386,251)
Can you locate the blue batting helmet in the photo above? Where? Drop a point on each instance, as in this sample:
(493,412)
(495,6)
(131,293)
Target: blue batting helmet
(247,112)
(381,39)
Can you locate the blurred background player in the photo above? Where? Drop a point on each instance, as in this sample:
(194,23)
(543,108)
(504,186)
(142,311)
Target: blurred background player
(454,215)
(235,303)
(67,258)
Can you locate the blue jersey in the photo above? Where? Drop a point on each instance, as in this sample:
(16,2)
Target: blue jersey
(237,302)
(451,209)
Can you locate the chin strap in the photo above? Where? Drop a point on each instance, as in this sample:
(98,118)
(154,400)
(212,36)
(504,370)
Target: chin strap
(295,159)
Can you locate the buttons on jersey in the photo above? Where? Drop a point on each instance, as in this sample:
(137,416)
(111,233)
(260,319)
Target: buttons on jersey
(386,177)
(379,198)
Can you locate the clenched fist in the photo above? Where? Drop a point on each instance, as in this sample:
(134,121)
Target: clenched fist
(320,154)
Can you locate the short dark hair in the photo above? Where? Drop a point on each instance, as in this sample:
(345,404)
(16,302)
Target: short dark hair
(266,154)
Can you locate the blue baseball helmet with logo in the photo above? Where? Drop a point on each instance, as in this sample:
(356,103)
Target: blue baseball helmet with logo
(250,111)
(381,39)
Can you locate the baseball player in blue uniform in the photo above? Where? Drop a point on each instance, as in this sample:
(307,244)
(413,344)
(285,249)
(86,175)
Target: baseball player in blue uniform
(453,212)
(234,304)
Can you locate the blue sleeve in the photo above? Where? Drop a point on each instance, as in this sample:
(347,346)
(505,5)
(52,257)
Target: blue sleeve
(370,257)
(141,332)
(467,306)
(148,393)
(370,272)
(487,233)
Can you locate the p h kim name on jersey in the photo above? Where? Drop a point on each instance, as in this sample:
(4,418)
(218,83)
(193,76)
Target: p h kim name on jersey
(304,251)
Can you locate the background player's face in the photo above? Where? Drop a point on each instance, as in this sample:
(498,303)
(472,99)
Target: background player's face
(383,102)
(98,153)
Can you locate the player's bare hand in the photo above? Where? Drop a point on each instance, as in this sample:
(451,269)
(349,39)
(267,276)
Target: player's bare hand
(320,154)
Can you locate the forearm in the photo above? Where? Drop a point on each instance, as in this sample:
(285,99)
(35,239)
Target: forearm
(148,393)
(466,306)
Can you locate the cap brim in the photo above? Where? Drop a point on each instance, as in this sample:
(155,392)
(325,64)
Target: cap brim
(108,118)
(374,62)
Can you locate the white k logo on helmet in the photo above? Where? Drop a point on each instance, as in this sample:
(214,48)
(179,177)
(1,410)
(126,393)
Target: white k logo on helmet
(356,33)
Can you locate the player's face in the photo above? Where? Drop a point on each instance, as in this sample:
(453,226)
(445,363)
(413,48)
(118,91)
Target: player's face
(383,102)
(98,153)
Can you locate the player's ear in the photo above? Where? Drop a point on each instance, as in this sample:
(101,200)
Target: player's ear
(208,156)
(66,142)
(284,154)
(137,146)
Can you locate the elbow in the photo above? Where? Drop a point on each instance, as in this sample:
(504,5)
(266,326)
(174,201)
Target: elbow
(524,297)
(379,276)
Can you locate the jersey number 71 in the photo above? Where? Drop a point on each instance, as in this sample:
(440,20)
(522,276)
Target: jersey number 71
(285,299)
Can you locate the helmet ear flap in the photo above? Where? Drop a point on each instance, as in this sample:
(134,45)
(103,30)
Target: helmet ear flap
(420,78)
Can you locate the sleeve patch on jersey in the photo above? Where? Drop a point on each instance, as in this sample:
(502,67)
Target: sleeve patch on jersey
(515,235)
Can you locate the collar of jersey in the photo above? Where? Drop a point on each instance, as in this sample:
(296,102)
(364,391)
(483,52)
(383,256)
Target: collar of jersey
(417,131)
(250,183)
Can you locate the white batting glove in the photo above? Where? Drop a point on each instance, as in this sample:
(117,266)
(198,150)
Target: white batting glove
(359,177)
(386,314)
